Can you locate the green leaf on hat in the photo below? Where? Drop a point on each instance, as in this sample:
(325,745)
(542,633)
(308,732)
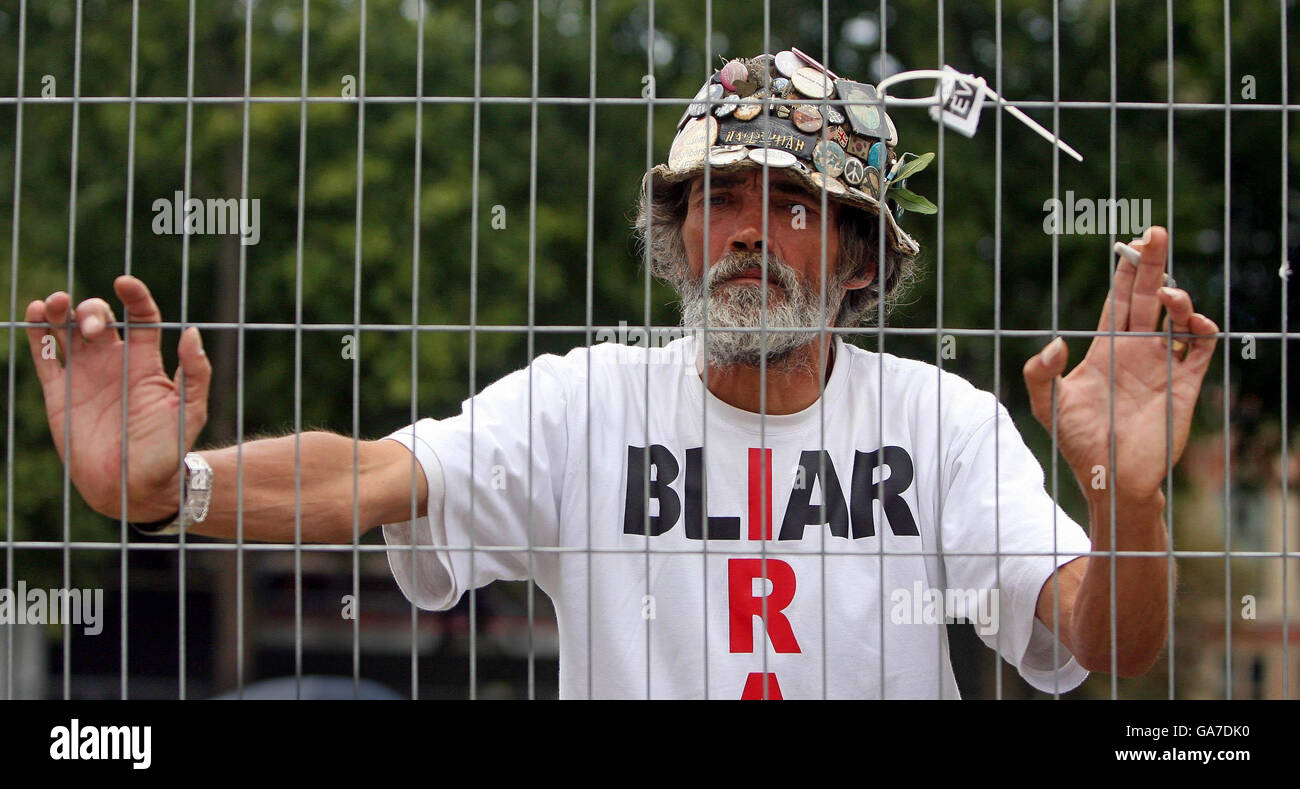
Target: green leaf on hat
(914,166)
(912,202)
(898,165)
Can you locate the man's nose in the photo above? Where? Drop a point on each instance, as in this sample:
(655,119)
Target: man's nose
(748,233)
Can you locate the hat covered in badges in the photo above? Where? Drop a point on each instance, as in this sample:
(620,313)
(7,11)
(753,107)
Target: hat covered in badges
(791,113)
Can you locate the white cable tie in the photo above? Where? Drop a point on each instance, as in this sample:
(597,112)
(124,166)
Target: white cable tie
(960,110)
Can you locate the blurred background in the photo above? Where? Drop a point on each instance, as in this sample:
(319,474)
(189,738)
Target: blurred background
(1214,176)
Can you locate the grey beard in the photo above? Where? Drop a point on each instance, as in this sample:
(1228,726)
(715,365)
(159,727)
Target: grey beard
(733,306)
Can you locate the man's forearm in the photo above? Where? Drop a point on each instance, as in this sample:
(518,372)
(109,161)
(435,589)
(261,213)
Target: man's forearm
(327,461)
(1141,588)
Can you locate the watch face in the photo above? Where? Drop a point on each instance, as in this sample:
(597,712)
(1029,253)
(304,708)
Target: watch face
(198,474)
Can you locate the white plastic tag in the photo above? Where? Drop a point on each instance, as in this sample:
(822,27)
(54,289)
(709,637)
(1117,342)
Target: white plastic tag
(958,101)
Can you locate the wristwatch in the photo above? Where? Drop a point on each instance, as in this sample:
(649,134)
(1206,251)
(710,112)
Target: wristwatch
(197,485)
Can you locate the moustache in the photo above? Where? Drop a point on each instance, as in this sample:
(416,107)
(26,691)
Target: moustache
(733,264)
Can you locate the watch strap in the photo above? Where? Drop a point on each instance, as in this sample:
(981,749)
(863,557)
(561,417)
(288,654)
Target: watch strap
(195,500)
(165,526)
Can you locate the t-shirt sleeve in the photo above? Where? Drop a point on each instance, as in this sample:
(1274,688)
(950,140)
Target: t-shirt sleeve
(497,468)
(1001,530)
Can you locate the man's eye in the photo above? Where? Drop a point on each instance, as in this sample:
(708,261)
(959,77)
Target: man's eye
(718,200)
(785,200)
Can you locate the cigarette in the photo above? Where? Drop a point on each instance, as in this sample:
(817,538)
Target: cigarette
(1133,256)
(1127,252)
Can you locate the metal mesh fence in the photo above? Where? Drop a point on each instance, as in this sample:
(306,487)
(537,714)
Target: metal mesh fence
(447,195)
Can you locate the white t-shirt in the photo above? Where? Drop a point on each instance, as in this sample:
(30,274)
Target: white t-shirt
(648,608)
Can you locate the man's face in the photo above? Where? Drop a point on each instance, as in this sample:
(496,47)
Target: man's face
(736,224)
(729,289)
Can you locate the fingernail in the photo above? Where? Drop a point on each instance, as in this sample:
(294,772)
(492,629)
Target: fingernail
(1146,235)
(91,325)
(1052,351)
(199,337)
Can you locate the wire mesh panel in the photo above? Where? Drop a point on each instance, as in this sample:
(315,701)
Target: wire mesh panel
(704,350)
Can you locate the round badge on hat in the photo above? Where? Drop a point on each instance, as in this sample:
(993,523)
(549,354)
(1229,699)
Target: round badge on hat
(854,170)
(788,63)
(727,106)
(872,180)
(773,157)
(876,156)
(829,184)
(748,109)
(731,73)
(806,118)
(693,143)
(813,83)
(721,157)
(829,158)
(709,93)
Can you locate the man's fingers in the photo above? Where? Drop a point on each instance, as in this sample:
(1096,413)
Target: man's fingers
(57,306)
(1144,303)
(1117,300)
(93,317)
(140,308)
(1041,369)
(198,374)
(1203,344)
(44,354)
(1178,304)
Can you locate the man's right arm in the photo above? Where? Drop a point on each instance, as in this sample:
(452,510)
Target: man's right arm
(385,475)
(84,385)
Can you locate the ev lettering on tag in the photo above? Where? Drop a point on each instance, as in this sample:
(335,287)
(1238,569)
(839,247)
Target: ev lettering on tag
(959,102)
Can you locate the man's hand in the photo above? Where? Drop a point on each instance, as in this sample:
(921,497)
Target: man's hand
(1142,390)
(92,352)
(1142,387)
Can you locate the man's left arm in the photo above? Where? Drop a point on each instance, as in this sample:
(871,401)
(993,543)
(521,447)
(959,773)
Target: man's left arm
(1151,382)
(1078,594)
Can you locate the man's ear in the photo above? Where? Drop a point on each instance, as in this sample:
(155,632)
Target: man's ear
(862,282)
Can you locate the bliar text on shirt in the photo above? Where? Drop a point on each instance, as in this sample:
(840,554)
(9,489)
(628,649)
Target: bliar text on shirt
(815,466)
